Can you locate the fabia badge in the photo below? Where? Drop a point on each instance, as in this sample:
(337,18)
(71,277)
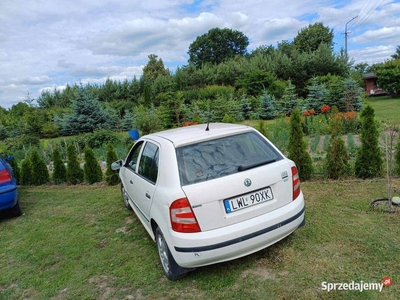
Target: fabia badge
(247,182)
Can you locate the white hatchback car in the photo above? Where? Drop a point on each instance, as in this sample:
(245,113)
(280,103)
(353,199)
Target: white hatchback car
(210,193)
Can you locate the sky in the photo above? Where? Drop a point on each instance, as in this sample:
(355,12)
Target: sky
(47,44)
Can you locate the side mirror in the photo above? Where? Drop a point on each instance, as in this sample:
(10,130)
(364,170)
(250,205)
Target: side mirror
(116,165)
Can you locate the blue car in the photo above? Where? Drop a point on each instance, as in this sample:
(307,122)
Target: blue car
(8,189)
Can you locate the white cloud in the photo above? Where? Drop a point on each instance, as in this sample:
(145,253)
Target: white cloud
(35,80)
(380,35)
(372,55)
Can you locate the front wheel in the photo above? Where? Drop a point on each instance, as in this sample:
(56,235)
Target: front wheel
(171,269)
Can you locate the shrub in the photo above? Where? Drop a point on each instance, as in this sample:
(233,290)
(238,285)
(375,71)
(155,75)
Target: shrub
(26,171)
(60,171)
(14,165)
(262,128)
(228,119)
(91,169)
(337,158)
(397,158)
(297,147)
(40,174)
(369,158)
(99,138)
(74,171)
(112,177)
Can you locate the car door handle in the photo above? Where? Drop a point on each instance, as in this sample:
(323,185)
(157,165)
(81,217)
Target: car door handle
(130,181)
(148,195)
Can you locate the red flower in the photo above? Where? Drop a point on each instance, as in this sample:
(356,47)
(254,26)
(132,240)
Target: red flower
(305,113)
(325,109)
(312,112)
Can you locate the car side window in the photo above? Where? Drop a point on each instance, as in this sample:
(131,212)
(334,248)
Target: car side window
(148,165)
(132,160)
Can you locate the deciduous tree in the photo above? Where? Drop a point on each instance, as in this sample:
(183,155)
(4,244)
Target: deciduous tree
(216,46)
(310,38)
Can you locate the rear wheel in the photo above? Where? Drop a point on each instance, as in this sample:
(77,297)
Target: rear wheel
(171,269)
(125,197)
(16,210)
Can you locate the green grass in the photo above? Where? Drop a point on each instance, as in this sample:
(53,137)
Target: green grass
(386,108)
(79,242)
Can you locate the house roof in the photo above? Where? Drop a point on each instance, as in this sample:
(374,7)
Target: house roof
(369,75)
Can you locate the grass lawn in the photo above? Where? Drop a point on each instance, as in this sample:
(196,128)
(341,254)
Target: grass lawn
(79,242)
(386,108)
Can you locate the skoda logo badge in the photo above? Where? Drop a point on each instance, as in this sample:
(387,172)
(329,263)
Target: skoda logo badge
(247,182)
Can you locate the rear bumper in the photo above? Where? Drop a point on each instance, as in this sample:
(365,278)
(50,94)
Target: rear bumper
(8,197)
(231,242)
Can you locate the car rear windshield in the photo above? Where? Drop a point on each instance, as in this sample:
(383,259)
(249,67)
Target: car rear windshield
(224,156)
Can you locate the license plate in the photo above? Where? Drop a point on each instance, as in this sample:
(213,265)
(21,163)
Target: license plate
(248,200)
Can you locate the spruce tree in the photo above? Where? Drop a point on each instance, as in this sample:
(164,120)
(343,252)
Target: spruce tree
(352,95)
(317,95)
(91,169)
(245,107)
(337,158)
(267,107)
(60,171)
(74,171)
(112,177)
(369,157)
(26,171)
(297,147)
(289,100)
(40,173)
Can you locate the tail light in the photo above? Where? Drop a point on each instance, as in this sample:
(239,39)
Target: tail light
(296,183)
(5,176)
(182,217)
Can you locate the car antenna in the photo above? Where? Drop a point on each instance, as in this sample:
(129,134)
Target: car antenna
(209,116)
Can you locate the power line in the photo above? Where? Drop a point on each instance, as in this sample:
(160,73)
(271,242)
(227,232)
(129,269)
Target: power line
(363,19)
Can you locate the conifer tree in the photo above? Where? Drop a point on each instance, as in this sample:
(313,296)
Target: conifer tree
(369,157)
(112,177)
(26,171)
(91,169)
(297,147)
(267,107)
(60,171)
(14,165)
(74,171)
(337,157)
(40,173)
(289,100)
(245,107)
(317,95)
(352,95)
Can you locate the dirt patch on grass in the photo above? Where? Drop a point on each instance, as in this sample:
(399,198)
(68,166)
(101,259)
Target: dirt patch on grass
(124,229)
(101,283)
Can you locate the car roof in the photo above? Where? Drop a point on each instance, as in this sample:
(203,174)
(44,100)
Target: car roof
(196,133)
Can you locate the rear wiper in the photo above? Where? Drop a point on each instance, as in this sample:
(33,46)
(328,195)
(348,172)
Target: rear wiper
(248,167)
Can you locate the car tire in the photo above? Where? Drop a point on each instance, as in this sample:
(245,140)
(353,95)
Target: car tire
(171,269)
(125,197)
(16,210)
